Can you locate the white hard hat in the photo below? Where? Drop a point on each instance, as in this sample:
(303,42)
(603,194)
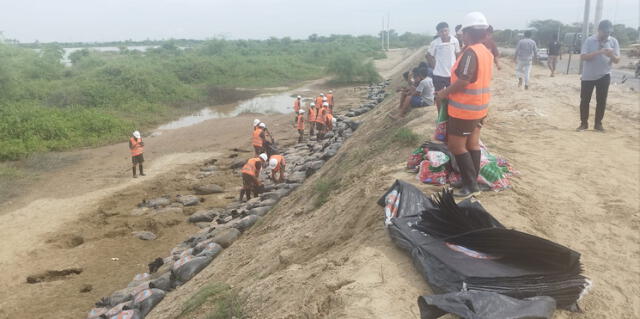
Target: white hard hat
(324,98)
(136,134)
(330,91)
(262,125)
(312,104)
(256,122)
(333,121)
(299,97)
(475,20)
(301,111)
(264,157)
(321,94)
(325,104)
(273,163)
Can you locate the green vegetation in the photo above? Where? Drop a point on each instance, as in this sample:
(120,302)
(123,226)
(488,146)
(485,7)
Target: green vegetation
(323,188)
(405,137)
(103,96)
(222,299)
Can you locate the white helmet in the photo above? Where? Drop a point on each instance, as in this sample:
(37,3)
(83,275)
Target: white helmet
(299,97)
(262,125)
(324,98)
(321,94)
(273,163)
(333,121)
(475,20)
(256,122)
(136,134)
(312,104)
(325,104)
(301,111)
(330,91)
(264,157)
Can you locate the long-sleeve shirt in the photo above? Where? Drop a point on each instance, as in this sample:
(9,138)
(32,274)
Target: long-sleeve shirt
(526,49)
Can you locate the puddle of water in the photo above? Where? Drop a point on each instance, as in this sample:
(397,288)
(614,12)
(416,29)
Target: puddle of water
(271,104)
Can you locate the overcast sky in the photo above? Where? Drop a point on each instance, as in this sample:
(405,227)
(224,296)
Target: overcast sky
(109,20)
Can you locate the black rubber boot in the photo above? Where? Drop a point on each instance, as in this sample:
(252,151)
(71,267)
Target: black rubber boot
(134,172)
(241,193)
(469,175)
(475,157)
(141,172)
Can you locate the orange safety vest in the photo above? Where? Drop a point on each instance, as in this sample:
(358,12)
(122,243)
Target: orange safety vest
(318,101)
(257,139)
(321,114)
(300,122)
(312,115)
(328,120)
(330,99)
(281,162)
(296,105)
(252,167)
(472,102)
(136,146)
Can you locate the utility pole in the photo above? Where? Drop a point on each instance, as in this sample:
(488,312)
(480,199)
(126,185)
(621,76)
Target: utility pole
(382,34)
(598,14)
(585,25)
(388,29)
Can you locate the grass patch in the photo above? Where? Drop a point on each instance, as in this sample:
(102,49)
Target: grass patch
(224,300)
(405,137)
(323,188)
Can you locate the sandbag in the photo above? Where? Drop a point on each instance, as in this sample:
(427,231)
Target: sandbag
(211,249)
(225,237)
(147,299)
(244,223)
(485,305)
(96,313)
(128,314)
(188,200)
(163,282)
(185,268)
(119,308)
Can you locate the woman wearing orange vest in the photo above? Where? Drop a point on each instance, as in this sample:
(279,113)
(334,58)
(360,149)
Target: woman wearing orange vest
(468,104)
(299,124)
(258,138)
(311,118)
(250,176)
(277,165)
(136,146)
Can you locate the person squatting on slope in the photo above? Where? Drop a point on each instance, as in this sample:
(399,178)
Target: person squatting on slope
(526,52)
(468,105)
(251,176)
(598,53)
(299,125)
(136,146)
(277,165)
(423,95)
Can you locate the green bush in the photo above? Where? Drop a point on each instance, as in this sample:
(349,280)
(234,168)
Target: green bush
(225,302)
(405,136)
(348,68)
(323,188)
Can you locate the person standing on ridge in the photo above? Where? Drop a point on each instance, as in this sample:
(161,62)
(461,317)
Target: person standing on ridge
(330,100)
(468,97)
(441,56)
(599,51)
(526,52)
(250,176)
(277,165)
(555,53)
(319,100)
(320,118)
(258,139)
(136,146)
(299,125)
(297,104)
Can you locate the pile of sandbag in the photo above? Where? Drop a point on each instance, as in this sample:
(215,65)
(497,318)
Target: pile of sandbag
(481,267)
(221,227)
(435,165)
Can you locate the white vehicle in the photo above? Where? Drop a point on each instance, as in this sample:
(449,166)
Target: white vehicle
(543,54)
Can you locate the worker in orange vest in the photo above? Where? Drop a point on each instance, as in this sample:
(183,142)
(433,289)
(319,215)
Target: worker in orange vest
(329,122)
(258,139)
(319,99)
(468,102)
(299,125)
(251,176)
(297,104)
(320,119)
(277,165)
(136,146)
(311,118)
(330,100)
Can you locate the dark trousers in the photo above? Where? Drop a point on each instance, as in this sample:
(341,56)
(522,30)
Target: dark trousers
(586,90)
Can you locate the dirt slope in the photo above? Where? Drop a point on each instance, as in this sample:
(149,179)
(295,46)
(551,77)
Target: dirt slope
(336,261)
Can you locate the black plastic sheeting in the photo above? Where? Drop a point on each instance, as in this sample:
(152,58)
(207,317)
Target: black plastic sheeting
(461,248)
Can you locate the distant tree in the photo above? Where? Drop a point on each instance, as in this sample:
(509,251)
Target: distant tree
(76,56)
(52,52)
(624,34)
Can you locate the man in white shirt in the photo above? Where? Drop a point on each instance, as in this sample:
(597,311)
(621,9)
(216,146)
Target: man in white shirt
(442,56)
(422,95)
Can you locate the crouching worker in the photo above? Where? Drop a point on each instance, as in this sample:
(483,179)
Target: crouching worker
(329,123)
(136,146)
(251,176)
(299,125)
(277,165)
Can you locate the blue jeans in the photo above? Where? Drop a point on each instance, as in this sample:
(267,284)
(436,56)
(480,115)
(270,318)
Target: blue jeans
(417,101)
